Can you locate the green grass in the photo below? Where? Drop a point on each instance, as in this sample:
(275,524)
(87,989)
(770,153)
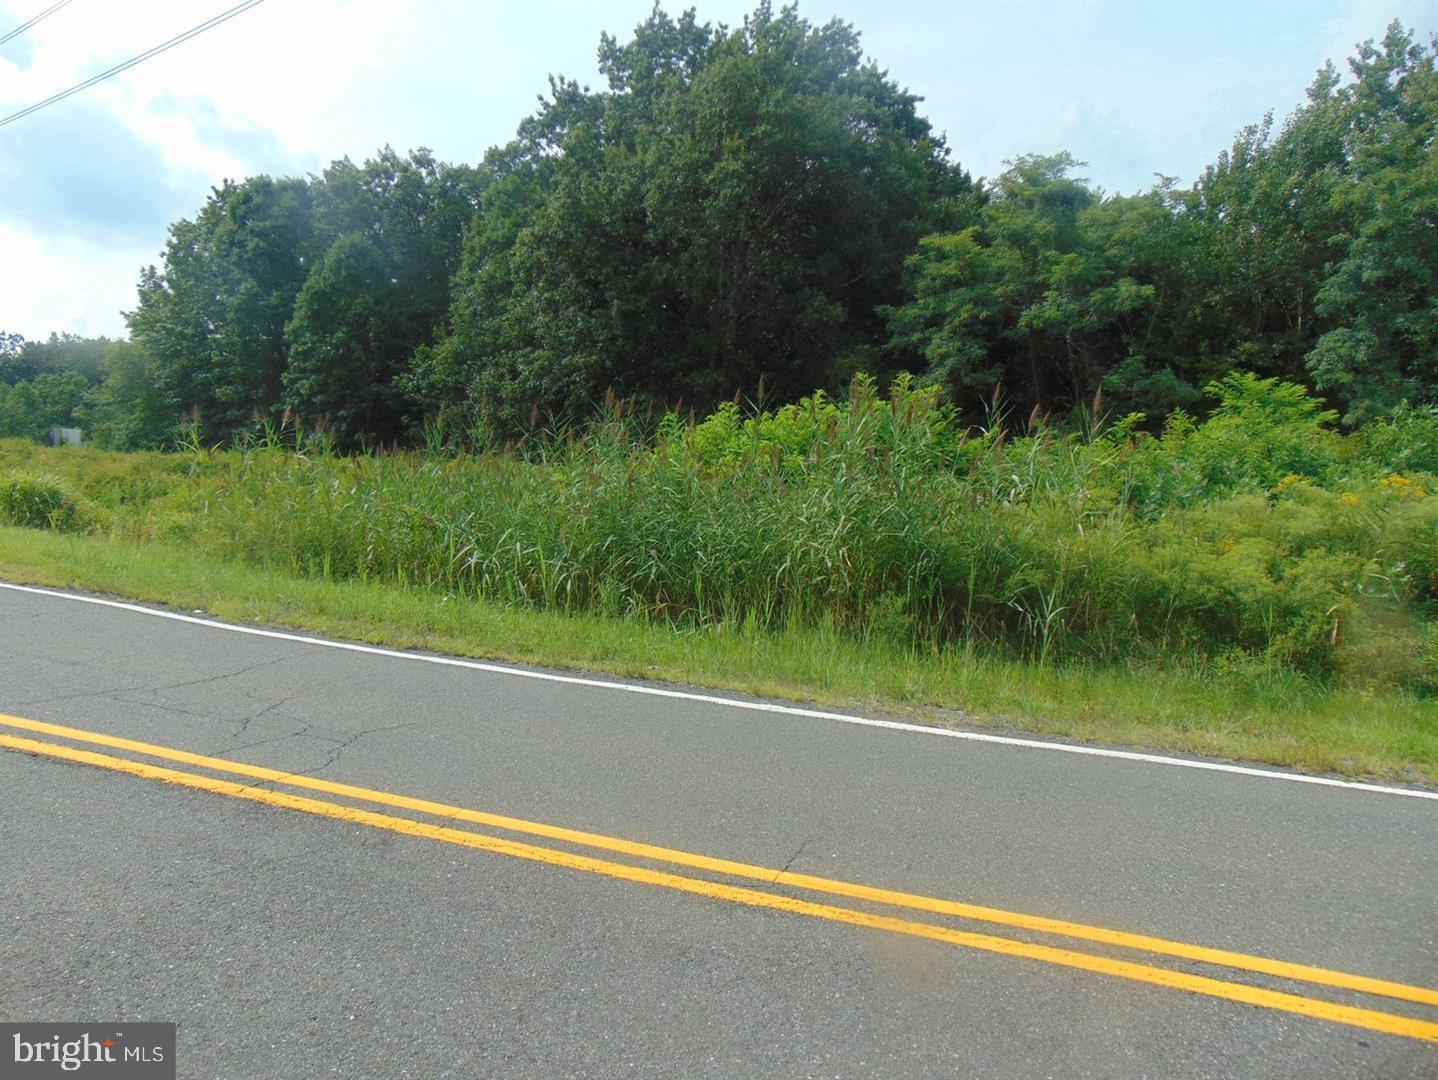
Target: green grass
(1257,585)
(1250,712)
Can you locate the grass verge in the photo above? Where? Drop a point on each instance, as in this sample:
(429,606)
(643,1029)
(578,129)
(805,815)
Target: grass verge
(1255,715)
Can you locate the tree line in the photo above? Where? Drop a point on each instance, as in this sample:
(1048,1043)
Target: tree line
(761,211)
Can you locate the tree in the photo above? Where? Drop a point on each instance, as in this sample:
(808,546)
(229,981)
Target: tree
(1309,254)
(733,208)
(1381,298)
(127,411)
(1312,254)
(380,290)
(67,352)
(414,210)
(20,414)
(1036,296)
(13,365)
(346,345)
(213,318)
(58,397)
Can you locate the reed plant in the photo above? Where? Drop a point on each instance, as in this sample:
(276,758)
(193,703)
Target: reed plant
(1260,535)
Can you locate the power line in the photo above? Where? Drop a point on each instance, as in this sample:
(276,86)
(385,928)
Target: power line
(178,39)
(26,26)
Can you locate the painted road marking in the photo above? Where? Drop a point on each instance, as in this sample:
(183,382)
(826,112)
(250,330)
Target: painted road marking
(1368,1019)
(733,703)
(1221,957)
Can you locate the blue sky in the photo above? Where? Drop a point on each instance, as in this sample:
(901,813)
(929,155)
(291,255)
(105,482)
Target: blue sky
(88,186)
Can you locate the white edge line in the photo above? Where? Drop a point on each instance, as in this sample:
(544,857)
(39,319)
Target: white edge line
(732,703)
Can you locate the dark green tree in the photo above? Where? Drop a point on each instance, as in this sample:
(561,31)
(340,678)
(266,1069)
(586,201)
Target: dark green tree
(346,346)
(67,352)
(13,366)
(20,414)
(127,410)
(377,295)
(213,318)
(1380,301)
(1037,296)
(1306,253)
(733,208)
(59,396)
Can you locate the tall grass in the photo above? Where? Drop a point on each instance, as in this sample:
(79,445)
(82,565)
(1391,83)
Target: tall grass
(1258,537)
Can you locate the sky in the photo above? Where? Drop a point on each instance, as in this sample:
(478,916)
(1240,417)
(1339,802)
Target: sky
(89,186)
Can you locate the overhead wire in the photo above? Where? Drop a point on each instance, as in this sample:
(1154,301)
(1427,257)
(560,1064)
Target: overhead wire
(26,26)
(178,39)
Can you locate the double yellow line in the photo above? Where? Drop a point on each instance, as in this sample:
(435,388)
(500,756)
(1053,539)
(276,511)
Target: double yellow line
(1226,988)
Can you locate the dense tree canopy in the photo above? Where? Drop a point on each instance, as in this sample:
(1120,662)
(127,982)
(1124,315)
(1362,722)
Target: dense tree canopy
(734,207)
(1037,295)
(393,226)
(260,301)
(1310,253)
(45,384)
(127,411)
(763,205)
(213,319)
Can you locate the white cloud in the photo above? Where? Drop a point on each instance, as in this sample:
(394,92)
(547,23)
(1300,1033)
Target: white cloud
(1359,20)
(62,283)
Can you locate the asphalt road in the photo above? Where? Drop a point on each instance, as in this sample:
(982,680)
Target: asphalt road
(290,944)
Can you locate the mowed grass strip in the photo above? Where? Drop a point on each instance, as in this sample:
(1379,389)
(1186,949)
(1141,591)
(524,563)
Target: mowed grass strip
(1271,717)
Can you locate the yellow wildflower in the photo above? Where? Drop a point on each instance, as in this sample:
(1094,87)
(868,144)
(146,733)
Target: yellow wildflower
(1402,486)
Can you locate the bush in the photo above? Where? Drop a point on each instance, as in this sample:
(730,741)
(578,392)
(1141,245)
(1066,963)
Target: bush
(877,516)
(1406,441)
(1262,431)
(38,502)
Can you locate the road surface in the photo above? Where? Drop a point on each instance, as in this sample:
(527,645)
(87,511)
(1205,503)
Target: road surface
(322,861)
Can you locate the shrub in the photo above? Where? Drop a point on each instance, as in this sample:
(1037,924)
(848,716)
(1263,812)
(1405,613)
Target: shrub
(877,516)
(1405,441)
(38,502)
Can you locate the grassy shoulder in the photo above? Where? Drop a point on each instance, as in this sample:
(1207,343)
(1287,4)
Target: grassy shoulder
(1246,714)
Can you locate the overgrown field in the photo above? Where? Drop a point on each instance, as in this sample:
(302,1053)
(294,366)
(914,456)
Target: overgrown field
(1260,538)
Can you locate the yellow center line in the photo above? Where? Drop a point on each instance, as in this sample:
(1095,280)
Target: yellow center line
(1100,935)
(1249,995)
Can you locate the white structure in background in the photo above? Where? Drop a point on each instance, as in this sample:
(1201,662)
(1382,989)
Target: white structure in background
(65,436)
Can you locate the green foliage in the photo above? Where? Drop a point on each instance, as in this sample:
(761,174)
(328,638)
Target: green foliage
(1304,254)
(731,210)
(38,502)
(13,367)
(127,410)
(1380,299)
(1259,532)
(1404,441)
(912,421)
(212,321)
(29,408)
(223,322)
(379,292)
(1038,296)
(67,352)
(343,356)
(1262,432)
(59,397)
(20,413)
(758,211)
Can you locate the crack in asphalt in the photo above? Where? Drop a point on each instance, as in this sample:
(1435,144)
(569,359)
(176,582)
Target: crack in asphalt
(246,721)
(146,689)
(335,752)
(215,678)
(793,858)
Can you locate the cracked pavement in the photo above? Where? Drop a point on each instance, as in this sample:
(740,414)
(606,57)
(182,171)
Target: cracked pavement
(286,945)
